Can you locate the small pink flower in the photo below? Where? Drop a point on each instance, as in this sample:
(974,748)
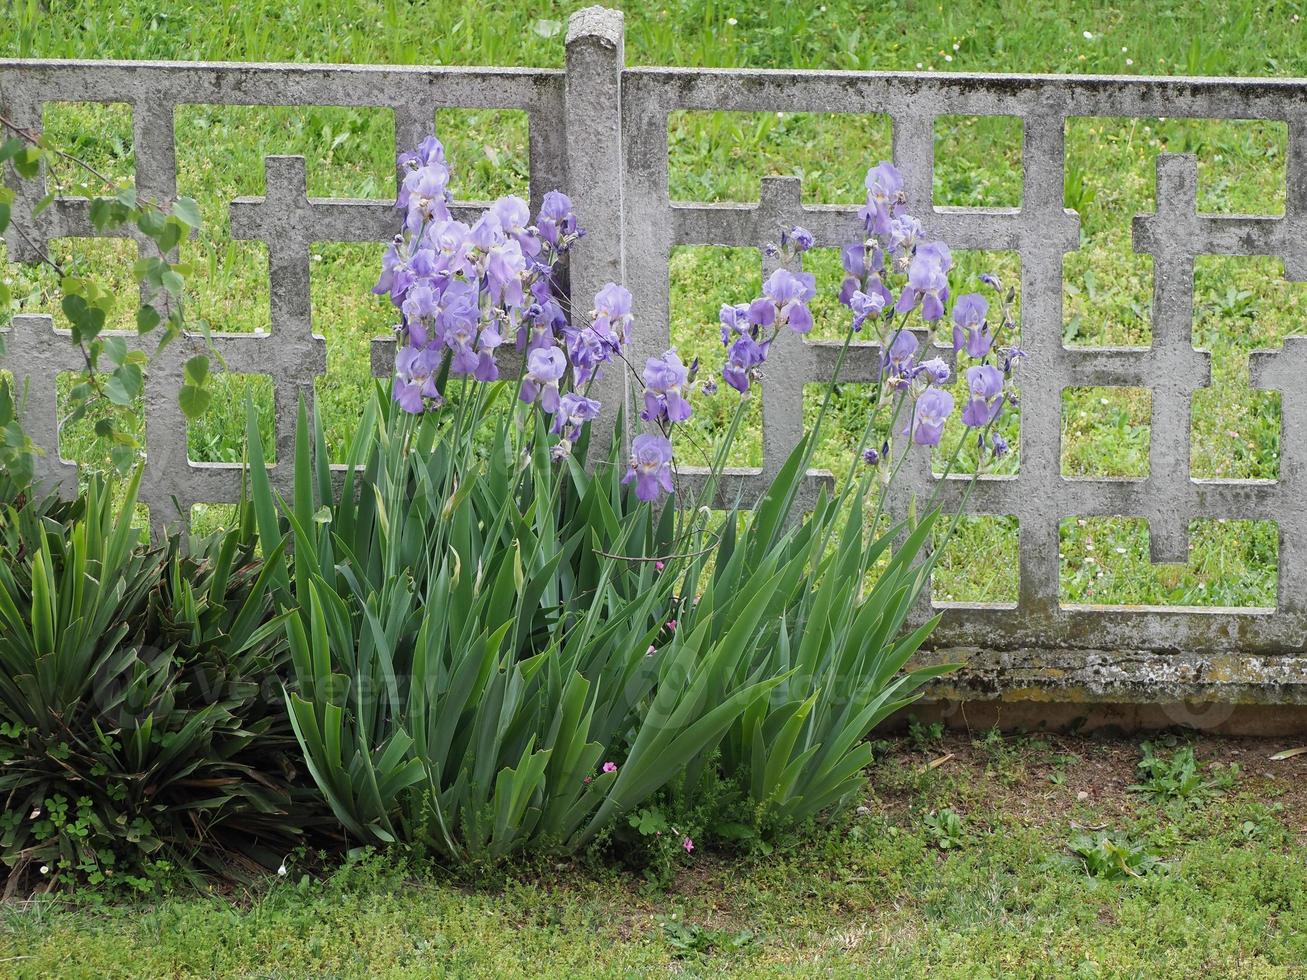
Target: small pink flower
(659,566)
(671,625)
(610,767)
(652,651)
(586,780)
(688,844)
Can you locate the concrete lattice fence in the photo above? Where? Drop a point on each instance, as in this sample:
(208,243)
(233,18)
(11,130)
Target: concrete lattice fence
(599,131)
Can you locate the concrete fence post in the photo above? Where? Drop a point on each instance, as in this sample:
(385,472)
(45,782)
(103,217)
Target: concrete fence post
(594,159)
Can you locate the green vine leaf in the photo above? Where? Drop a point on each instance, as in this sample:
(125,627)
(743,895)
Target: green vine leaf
(194,401)
(124,385)
(197,370)
(147,318)
(186,210)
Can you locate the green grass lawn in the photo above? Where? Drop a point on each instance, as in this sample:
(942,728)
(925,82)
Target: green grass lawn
(1240,304)
(964,869)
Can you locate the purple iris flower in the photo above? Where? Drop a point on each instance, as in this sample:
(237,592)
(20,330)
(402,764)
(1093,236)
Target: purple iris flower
(742,358)
(901,351)
(801,237)
(864,267)
(986,384)
(473,349)
(587,351)
(543,321)
(573,412)
(485,234)
(430,150)
(545,367)
(460,339)
(425,264)
(424,194)
(904,234)
(415,381)
(935,371)
(939,251)
(393,274)
(514,216)
(612,314)
(970,330)
(487,368)
(557,220)
(451,243)
(929,415)
(1000,445)
(1008,358)
(505,268)
(884,189)
(419,307)
(457,306)
(865,306)
(927,281)
(735,321)
(784,300)
(651,466)
(664,377)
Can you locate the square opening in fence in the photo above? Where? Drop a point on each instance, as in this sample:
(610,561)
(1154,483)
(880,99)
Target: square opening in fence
(488,152)
(701,279)
(105,262)
(964,277)
(1234,434)
(218,436)
(1106,432)
(99,134)
(78,442)
(722,156)
(1112,164)
(1105,561)
(978,161)
(845,427)
(979,562)
(1241,304)
(349,317)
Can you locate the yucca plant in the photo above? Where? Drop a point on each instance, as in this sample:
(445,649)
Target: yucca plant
(141,722)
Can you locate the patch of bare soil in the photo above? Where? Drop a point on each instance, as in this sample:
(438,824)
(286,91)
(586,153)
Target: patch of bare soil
(1049,778)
